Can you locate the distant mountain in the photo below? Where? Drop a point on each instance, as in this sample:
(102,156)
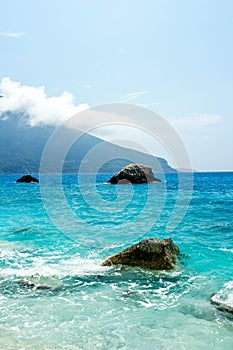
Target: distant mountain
(21,148)
(186,170)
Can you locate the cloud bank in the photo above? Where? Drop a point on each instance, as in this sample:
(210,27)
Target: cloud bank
(35,105)
(37,108)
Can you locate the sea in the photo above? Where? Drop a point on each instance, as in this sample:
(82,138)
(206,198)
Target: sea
(54,293)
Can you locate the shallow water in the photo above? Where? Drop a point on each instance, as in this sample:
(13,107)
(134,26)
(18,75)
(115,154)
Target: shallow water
(55,295)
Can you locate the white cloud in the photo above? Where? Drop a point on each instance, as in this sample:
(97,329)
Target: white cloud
(33,103)
(12,34)
(134,95)
(122,51)
(86,86)
(151,105)
(4,118)
(196,122)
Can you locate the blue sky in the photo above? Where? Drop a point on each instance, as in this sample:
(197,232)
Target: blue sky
(175,57)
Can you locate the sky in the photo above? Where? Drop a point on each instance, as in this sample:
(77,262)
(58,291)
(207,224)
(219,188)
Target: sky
(174,57)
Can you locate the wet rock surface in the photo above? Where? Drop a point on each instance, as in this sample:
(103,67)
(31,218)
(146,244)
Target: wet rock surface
(223,300)
(37,282)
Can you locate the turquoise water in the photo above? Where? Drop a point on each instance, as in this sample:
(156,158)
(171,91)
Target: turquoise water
(55,295)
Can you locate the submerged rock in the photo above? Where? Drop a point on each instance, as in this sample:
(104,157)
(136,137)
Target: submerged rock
(223,300)
(135,174)
(37,282)
(27,178)
(151,253)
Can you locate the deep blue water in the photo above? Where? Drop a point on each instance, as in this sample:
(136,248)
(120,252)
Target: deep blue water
(60,231)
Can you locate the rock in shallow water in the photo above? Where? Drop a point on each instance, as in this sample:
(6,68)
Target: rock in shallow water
(223,300)
(151,253)
(27,179)
(135,174)
(37,282)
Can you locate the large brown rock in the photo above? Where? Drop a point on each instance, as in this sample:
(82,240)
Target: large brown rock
(134,173)
(151,253)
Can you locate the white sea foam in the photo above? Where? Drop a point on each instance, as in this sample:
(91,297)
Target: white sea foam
(75,266)
(226,250)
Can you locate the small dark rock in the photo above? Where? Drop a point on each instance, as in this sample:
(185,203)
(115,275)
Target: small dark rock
(151,253)
(135,174)
(27,178)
